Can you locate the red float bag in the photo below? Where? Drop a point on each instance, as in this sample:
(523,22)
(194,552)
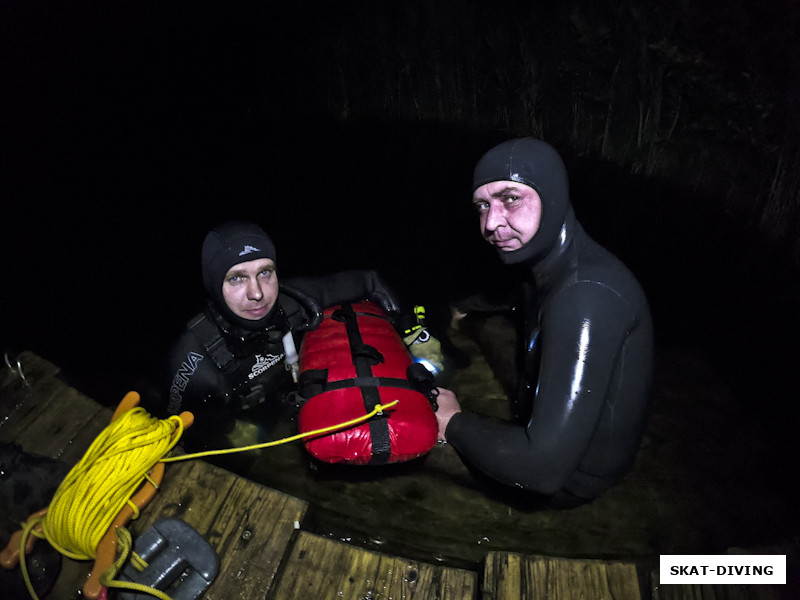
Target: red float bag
(352,362)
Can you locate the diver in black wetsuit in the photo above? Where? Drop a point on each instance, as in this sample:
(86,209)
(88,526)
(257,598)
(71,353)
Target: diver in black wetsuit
(588,340)
(236,358)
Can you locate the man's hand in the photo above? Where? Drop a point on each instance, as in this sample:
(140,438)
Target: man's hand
(448,406)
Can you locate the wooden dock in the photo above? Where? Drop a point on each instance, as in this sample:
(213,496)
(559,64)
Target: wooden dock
(266,553)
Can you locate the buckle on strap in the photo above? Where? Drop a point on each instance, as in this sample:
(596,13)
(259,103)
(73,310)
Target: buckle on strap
(178,558)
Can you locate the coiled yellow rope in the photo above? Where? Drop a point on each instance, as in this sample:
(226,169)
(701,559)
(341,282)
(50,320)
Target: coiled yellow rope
(102,483)
(110,472)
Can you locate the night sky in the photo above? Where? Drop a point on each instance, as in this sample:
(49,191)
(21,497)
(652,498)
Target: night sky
(128,131)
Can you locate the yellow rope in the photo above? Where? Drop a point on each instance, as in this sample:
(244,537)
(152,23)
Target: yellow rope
(97,488)
(119,460)
(375,411)
(102,483)
(125,545)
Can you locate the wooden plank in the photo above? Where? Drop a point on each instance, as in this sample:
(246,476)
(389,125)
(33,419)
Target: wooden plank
(320,568)
(514,576)
(249,525)
(45,415)
(23,404)
(192,491)
(66,416)
(257,525)
(75,448)
(49,418)
(28,366)
(16,380)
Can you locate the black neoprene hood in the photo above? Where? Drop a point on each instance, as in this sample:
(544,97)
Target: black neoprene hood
(225,246)
(537,164)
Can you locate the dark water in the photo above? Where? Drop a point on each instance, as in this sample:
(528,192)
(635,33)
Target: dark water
(706,480)
(117,158)
(101,279)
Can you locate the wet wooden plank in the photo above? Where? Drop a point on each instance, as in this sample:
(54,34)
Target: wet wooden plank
(23,402)
(251,536)
(510,576)
(320,568)
(248,524)
(45,415)
(66,415)
(191,491)
(49,418)
(74,449)
(25,365)
(18,375)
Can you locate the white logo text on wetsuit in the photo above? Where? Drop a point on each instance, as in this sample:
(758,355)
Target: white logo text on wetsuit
(181,380)
(263,363)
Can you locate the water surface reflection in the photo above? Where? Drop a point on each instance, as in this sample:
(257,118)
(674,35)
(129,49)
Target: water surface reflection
(701,484)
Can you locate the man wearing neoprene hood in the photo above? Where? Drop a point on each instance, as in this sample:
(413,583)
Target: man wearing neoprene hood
(588,339)
(236,357)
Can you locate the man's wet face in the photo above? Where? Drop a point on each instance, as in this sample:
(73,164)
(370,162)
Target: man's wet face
(250,288)
(510,213)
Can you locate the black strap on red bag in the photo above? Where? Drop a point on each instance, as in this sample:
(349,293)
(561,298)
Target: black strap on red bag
(364,357)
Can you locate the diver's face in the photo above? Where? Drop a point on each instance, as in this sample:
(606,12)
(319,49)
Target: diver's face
(510,213)
(250,288)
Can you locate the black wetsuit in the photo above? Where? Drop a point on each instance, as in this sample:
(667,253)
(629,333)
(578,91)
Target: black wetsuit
(587,359)
(219,371)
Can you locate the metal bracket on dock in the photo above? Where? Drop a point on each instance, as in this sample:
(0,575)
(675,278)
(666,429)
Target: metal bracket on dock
(16,366)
